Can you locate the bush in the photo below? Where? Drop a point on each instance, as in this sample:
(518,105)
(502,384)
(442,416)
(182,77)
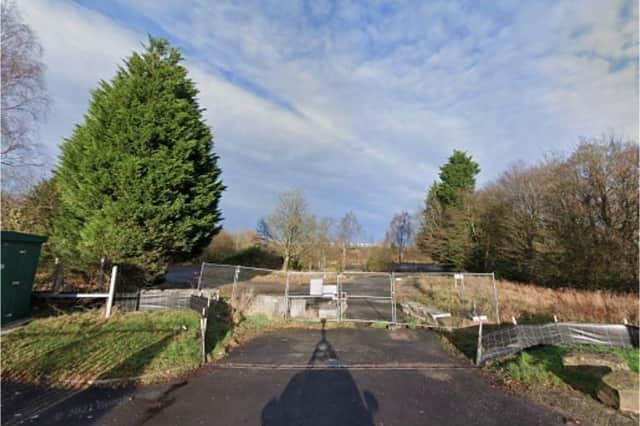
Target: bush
(255,256)
(380,260)
(221,247)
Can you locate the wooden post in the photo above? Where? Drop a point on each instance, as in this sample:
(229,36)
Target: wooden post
(112,290)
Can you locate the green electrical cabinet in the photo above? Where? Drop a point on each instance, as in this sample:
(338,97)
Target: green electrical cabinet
(19,260)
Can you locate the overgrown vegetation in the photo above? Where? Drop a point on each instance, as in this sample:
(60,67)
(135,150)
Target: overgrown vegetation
(255,256)
(526,302)
(565,222)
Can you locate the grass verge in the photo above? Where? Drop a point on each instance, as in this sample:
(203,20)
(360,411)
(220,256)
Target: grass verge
(538,374)
(543,366)
(80,347)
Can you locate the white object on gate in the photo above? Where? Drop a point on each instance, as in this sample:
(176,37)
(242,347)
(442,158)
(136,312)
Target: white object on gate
(327,313)
(315,287)
(458,276)
(329,291)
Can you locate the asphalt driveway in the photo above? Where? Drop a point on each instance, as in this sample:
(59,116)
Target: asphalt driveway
(305,377)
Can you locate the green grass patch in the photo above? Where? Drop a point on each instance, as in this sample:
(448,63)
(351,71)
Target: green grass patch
(543,366)
(75,348)
(379,324)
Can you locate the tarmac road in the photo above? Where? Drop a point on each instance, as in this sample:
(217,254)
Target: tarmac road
(303,377)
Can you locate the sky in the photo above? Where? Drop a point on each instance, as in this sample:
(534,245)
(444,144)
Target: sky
(358,104)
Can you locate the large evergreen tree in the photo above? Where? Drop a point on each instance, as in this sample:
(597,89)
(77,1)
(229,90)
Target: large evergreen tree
(457,178)
(137,180)
(447,221)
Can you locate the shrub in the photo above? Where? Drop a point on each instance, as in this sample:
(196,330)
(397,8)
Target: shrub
(255,256)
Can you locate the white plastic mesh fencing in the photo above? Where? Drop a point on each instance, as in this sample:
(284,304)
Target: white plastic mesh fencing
(153,299)
(513,339)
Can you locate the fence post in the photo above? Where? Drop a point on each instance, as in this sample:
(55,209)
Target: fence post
(112,289)
(341,298)
(495,297)
(101,276)
(235,283)
(479,351)
(203,333)
(200,276)
(286,297)
(56,275)
(394,318)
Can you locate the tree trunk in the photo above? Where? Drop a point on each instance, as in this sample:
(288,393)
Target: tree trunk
(285,264)
(344,257)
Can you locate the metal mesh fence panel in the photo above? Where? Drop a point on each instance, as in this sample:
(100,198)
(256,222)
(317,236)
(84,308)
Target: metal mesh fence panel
(216,276)
(300,283)
(313,296)
(368,296)
(453,299)
(261,281)
(513,339)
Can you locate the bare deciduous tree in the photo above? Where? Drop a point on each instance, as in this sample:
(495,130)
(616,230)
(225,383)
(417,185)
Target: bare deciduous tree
(288,227)
(348,230)
(400,233)
(24,97)
(568,221)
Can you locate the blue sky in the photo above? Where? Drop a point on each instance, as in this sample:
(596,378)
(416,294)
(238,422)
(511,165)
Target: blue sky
(359,103)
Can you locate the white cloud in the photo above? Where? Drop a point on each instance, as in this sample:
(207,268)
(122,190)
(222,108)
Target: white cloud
(357,105)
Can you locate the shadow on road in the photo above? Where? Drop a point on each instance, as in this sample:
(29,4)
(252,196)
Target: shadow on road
(325,393)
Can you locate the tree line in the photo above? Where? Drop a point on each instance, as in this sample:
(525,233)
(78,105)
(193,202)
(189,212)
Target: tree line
(568,221)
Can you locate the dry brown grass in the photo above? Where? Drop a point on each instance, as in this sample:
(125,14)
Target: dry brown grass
(532,302)
(525,302)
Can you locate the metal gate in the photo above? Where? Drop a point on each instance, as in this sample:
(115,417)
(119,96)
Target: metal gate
(368,296)
(346,296)
(312,296)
